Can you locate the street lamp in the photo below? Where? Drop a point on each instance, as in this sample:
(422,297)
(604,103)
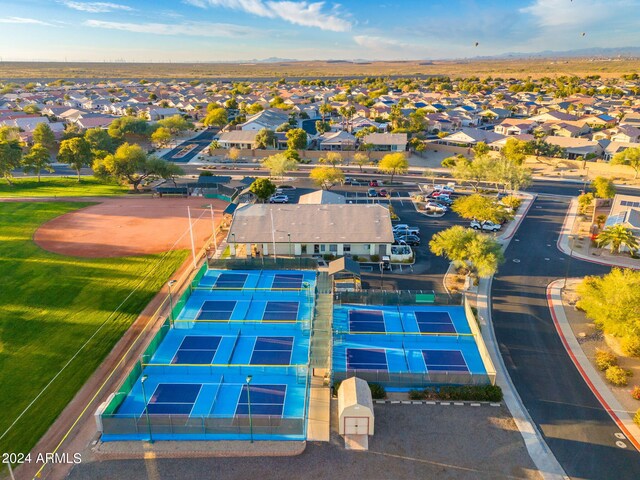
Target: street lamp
(171,284)
(289,235)
(146,410)
(381,275)
(233,236)
(249,377)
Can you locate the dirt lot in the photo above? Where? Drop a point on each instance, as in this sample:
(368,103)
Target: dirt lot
(115,227)
(411,442)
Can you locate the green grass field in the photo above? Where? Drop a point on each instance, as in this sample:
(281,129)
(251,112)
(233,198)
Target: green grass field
(59,187)
(51,306)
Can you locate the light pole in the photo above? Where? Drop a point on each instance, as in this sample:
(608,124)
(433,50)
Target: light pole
(249,377)
(289,235)
(381,275)
(171,284)
(146,410)
(566,274)
(233,236)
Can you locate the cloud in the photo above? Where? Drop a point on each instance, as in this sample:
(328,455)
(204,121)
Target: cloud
(375,42)
(25,21)
(195,29)
(308,14)
(560,13)
(96,7)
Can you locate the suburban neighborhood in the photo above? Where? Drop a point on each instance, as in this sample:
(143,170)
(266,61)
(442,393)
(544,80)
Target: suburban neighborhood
(293,239)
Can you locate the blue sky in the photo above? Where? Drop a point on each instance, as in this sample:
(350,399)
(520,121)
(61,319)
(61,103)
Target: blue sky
(231,30)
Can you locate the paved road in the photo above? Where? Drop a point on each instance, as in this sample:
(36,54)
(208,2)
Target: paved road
(576,427)
(202,141)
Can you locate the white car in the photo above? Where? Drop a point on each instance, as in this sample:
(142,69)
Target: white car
(487,226)
(279,199)
(449,188)
(405,229)
(436,206)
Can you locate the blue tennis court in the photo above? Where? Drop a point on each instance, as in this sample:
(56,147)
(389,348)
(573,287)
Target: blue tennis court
(231,280)
(173,398)
(265,400)
(444,361)
(272,351)
(287,281)
(280,311)
(366,321)
(366,359)
(435,322)
(197,350)
(216,310)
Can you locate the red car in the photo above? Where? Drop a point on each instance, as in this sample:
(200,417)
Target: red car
(382,193)
(373,183)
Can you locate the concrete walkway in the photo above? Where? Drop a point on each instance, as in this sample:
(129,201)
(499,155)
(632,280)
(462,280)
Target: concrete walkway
(539,452)
(564,247)
(599,388)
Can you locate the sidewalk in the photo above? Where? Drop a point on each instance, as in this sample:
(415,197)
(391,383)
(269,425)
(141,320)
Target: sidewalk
(603,393)
(602,257)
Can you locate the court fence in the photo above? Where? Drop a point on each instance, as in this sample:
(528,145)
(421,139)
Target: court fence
(179,425)
(262,263)
(397,298)
(417,380)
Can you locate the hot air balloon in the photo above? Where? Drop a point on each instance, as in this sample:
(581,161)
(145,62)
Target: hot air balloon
(477,44)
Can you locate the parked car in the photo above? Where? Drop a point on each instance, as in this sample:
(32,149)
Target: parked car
(403,228)
(383,193)
(412,240)
(449,188)
(486,226)
(286,187)
(438,194)
(372,192)
(279,199)
(373,183)
(349,181)
(436,206)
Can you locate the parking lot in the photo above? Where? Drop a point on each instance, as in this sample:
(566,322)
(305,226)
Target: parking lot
(410,442)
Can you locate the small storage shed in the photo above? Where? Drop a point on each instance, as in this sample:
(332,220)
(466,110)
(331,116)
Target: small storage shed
(355,407)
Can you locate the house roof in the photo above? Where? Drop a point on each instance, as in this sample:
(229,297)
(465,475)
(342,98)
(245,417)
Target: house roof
(238,136)
(322,197)
(307,223)
(386,139)
(336,138)
(344,264)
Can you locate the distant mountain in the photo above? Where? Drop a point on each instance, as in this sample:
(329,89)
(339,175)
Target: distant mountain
(582,52)
(275,60)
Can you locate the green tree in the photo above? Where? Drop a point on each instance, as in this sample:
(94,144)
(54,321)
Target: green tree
(279,164)
(265,138)
(326,177)
(43,135)
(10,158)
(129,126)
(480,149)
(450,162)
(9,133)
(129,163)
(479,253)
(603,187)
(361,159)
(474,172)
(76,152)
(481,208)
(331,158)
(161,136)
(166,170)
(175,124)
(394,164)
(233,154)
(100,142)
(37,159)
(617,236)
(515,150)
(216,117)
(297,139)
(325,109)
(262,188)
(215,145)
(255,108)
(322,127)
(630,157)
(613,302)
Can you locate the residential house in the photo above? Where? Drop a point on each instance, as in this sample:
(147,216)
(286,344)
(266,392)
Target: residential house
(238,139)
(387,142)
(625,210)
(468,137)
(576,147)
(339,140)
(269,119)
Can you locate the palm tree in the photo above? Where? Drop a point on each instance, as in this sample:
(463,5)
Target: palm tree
(617,236)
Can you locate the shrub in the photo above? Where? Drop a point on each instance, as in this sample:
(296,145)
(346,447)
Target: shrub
(416,395)
(329,256)
(377,391)
(512,202)
(355,258)
(375,258)
(636,417)
(605,359)
(617,376)
(635,392)
(206,174)
(336,386)
(631,346)
(480,393)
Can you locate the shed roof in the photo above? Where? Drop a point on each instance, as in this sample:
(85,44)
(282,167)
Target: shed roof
(344,264)
(355,391)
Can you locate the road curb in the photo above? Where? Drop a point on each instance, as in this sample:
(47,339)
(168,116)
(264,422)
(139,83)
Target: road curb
(467,403)
(586,370)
